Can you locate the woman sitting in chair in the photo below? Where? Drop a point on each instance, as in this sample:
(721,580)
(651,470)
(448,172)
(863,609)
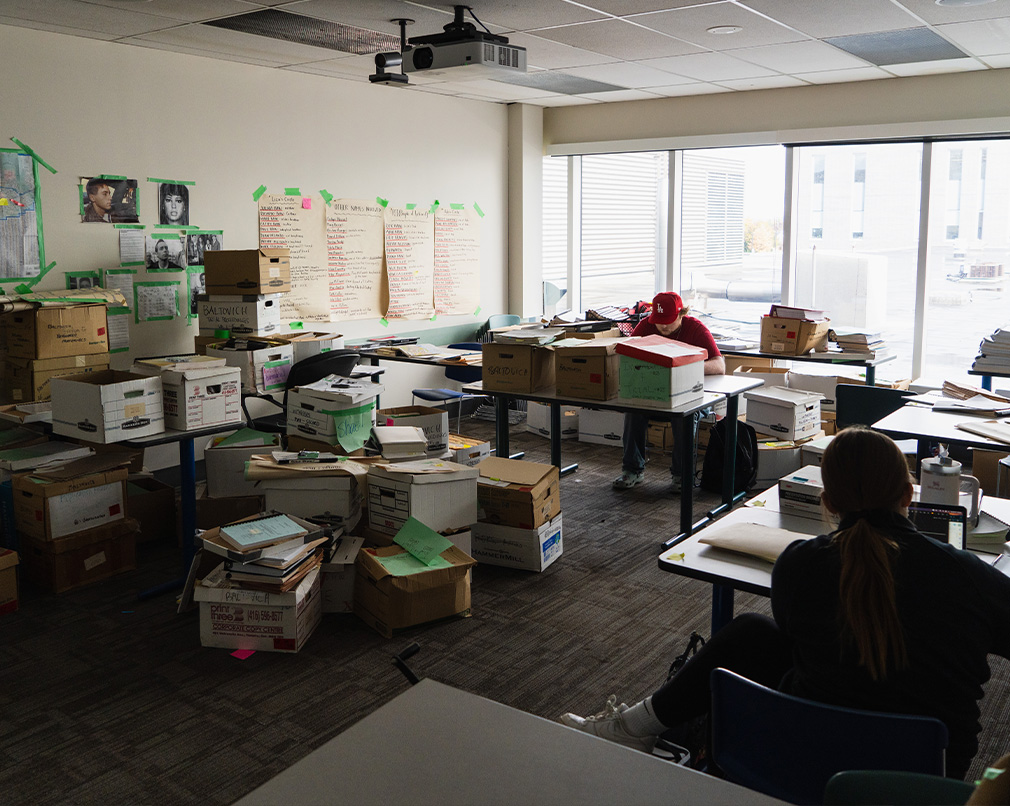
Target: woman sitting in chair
(874,616)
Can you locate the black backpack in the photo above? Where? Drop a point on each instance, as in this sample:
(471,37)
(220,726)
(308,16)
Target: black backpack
(746,458)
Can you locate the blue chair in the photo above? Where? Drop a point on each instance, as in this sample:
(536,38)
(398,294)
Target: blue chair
(788,747)
(463,374)
(869,787)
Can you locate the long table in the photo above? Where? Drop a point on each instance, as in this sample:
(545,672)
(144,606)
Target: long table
(437,744)
(869,364)
(717,388)
(925,425)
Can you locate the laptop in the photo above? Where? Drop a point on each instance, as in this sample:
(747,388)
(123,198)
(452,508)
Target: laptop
(942,522)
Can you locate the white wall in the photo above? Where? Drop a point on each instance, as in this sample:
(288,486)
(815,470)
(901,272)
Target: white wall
(89,107)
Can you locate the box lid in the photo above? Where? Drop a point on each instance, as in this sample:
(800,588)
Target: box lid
(781,396)
(423,471)
(345,553)
(152,366)
(8,558)
(579,346)
(422,580)
(661,350)
(172,377)
(513,471)
(809,474)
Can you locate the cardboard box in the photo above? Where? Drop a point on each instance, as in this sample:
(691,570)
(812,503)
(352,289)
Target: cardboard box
(201,398)
(601,427)
(734,362)
(225,463)
(441,501)
(793,336)
(176,363)
(107,406)
(516,493)
(247,271)
(784,413)
(538,420)
(823,385)
(8,581)
(461,539)
(335,497)
(316,415)
(298,443)
(528,549)
(516,367)
(83,558)
(152,503)
(387,603)
(829,423)
(771,376)
(240,315)
(589,370)
(238,618)
(264,364)
(336,577)
(985,467)
(213,513)
(812,452)
(800,491)
(27,379)
(49,510)
(200,343)
(434,422)
(307,343)
(646,384)
(57,332)
(775,460)
(468,452)
(660,436)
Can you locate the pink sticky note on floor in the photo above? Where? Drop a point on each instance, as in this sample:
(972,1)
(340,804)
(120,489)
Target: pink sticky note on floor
(306,203)
(242,654)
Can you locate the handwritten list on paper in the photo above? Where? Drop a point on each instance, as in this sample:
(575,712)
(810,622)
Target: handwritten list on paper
(285,223)
(457,260)
(354,244)
(410,262)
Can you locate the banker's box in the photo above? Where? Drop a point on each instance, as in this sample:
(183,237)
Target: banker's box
(307,343)
(264,364)
(784,413)
(770,376)
(338,497)
(516,493)
(247,271)
(201,398)
(434,422)
(225,464)
(387,603)
(8,581)
(27,379)
(527,549)
(57,332)
(468,451)
(48,509)
(655,386)
(107,406)
(337,576)
(516,367)
(314,414)
(82,558)
(793,336)
(601,427)
(800,491)
(239,618)
(538,420)
(441,501)
(812,452)
(589,371)
(239,314)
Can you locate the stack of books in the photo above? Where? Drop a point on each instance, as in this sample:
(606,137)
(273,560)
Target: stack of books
(964,391)
(271,554)
(994,352)
(537,335)
(866,344)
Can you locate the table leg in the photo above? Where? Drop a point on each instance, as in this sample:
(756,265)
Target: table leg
(729,494)
(556,441)
(987,382)
(501,426)
(722,607)
(871,376)
(688,453)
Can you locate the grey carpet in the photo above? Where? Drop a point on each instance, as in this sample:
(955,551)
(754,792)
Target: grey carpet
(106,699)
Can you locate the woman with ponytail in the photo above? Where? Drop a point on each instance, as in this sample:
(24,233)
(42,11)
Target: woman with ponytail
(874,615)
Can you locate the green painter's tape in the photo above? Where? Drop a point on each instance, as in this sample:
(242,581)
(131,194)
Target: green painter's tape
(410,206)
(129,226)
(384,322)
(297,326)
(327,197)
(477,208)
(382,201)
(259,192)
(477,311)
(292,192)
(170,181)
(433,207)
(34,156)
(23,288)
(133,263)
(457,206)
(111,176)
(433,318)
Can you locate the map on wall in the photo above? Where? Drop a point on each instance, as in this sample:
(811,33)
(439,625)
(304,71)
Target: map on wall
(20,224)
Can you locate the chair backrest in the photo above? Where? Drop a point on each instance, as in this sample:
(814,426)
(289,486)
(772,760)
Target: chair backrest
(465,374)
(869,787)
(317,367)
(502,320)
(864,405)
(788,747)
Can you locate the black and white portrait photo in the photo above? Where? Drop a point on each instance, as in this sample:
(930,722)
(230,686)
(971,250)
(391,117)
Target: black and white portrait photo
(173,205)
(163,252)
(109,201)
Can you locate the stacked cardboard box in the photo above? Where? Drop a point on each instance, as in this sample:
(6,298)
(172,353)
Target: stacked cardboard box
(434,422)
(8,581)
(538,420)
(442,495)
(244,289)
(197,391)
(336,412)
(107,406)
(660,373)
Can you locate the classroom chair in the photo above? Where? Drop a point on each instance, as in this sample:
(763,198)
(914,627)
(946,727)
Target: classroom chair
(789,747)
(865,405)
(869,787)
(463,374)
(496,320)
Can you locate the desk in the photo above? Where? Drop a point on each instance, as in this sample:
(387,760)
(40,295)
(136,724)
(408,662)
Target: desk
(925,425)
(187,469)
(869,364)
(717,387)
(434,744)
(988,376)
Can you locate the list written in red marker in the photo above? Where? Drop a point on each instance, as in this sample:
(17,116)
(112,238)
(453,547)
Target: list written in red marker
(354,244)
(285,223)
(457,260)
(410,262)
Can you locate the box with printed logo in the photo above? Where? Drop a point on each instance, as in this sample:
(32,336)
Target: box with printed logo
(516,493)
(248,271)
(240,315)
(528,549)
(50,509)
(107,406)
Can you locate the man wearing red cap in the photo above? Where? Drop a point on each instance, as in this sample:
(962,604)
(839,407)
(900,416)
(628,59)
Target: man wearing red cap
(668,318)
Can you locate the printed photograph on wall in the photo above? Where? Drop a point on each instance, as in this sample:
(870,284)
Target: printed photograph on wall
(80,280)
(108,200)
(202,241)
(197,286)
(163,252)
(173,204)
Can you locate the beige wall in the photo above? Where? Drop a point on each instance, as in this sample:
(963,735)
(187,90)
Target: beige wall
(961,103)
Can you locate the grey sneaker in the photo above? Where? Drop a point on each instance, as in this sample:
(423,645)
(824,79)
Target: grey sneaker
(627,480)
(608,724)
(676,484)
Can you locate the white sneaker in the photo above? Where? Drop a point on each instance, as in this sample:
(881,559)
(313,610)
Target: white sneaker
(608,724)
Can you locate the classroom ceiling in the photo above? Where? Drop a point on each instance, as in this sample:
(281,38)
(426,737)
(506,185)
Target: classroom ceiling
(595,51)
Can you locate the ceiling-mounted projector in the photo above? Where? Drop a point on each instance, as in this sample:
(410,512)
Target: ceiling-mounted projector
(463,49)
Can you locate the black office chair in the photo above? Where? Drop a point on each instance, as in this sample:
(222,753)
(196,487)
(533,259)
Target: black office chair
(308,370)
(865,405)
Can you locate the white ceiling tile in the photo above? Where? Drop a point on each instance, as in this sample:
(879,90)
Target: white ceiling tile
(808,57)
(561,100)
(623,8)
(933,68)
(930,12)
(499,91)
(522,15)
(843,76)
(693,23)
(620,95)
(824,18)
(183,10)
(346,67)
(375,15)
(235,43)
(765,83)
(709,67)
(85,17)
(625,74)
(681,90)
(980,38)
(550,55)
(997,62)
(619,39)
(56,29)
(244,58)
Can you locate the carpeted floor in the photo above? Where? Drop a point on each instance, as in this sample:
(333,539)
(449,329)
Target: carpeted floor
(107,699)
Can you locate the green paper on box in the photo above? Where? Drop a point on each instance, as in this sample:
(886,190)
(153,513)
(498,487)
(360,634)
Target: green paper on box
(405,564)
(353,426)
(422,541)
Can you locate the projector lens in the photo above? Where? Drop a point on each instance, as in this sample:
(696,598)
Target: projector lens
(423,58)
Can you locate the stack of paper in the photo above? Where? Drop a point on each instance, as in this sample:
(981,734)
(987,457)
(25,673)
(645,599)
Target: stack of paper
(539,335)
(869,344)
(397,442)
(994,352)
(997,430)
(789,312)
(345,390)
(964,391)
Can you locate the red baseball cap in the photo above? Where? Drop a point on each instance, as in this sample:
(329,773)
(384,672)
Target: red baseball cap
(666,308)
